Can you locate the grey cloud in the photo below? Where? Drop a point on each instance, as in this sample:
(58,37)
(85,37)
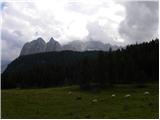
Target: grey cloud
(18,33)
(101,33)
(11,43)
(82,8)
(96,32)
(3,5)
(141,22)
(9,53)
(11,38)
(23,22)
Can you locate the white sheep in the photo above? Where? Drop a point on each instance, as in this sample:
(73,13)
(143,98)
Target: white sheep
(69,92)
(94,100)
(113,95)
(127,95)
(146,93)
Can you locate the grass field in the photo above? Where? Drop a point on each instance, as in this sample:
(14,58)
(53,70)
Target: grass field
(70,102)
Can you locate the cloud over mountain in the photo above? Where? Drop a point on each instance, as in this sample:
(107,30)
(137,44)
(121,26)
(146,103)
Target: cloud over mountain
(109,22)
(39,46)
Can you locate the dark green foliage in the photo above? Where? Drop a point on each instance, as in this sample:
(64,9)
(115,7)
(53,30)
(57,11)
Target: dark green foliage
(136,64)
(79,98)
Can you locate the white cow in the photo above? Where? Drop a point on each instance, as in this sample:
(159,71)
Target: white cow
(113,95)
(146,93)
(127,95)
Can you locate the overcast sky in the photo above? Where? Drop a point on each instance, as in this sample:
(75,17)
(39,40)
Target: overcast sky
(114,22)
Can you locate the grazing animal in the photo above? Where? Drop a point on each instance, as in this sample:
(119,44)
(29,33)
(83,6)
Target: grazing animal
(127,95)
(113,95)
(146,93)
(94,100)
(69,92)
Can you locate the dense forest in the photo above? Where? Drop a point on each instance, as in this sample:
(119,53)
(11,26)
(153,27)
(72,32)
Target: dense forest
(136,64)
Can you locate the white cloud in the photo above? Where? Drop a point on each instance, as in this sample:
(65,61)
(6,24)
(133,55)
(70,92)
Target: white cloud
(141,22)
(65,20)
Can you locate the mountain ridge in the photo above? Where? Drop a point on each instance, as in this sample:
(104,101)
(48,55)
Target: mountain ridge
(39,46)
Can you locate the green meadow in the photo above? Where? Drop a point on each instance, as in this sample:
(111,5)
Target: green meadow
(71,102)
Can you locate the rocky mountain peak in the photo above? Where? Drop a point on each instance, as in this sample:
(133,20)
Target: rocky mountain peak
(51,39)
(53,45)
(40,39)
(39,45)
(35,46)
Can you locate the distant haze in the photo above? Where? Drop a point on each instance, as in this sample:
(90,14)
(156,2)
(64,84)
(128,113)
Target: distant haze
(114,22)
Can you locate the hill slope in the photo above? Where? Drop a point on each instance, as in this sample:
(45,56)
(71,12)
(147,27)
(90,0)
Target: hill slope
(136,64)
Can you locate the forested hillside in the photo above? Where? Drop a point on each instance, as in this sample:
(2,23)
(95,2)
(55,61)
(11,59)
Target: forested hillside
(136,64)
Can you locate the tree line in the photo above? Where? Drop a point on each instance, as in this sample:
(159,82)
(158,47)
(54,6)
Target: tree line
(135,64)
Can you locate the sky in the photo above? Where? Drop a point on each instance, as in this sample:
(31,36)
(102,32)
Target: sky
(115,22)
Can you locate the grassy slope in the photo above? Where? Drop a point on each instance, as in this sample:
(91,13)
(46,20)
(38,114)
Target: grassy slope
(57,103)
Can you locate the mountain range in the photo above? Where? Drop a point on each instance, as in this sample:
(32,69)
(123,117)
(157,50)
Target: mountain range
(39,46)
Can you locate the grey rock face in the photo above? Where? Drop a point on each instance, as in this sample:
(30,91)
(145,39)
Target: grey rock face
(39,45)
(95,45)
(88,46)
(75,46)
(35,46)
(53,45)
